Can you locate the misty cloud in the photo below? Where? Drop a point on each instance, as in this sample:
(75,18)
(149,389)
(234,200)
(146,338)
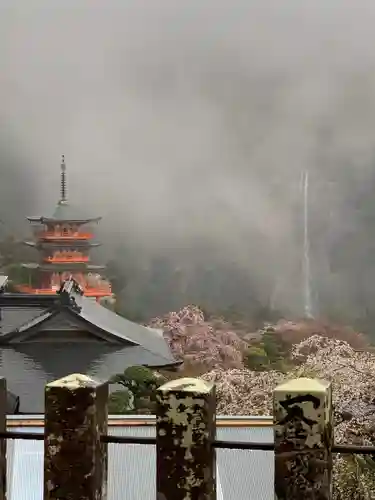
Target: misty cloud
(183,121)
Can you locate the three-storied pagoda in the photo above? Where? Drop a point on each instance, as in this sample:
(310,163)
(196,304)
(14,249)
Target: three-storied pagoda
(64,250)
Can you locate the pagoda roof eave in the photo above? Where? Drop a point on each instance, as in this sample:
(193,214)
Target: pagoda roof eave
(62,243)
(48,220)
(30,265)
(75,268)
(67,266)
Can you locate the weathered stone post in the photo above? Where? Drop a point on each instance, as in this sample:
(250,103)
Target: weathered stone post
(185,429)
(303,431)
(75,461)
(3,442)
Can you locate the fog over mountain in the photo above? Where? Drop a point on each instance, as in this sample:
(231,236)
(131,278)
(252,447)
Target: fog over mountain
(188,126)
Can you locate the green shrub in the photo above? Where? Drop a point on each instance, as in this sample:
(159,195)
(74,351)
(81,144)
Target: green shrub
(120,402)
(273,345)
(256,358)
(140,384)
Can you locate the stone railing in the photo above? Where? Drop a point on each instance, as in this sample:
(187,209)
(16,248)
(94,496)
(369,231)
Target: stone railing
(76,440)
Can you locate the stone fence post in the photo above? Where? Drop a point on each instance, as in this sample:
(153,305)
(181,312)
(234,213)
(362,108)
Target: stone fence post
(75,461)
(303,432)
(185,428)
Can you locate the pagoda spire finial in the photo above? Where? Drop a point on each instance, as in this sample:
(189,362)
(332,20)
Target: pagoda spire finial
(63,198)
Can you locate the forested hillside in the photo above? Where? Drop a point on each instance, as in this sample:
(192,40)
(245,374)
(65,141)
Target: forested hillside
(247,365)
(146,288)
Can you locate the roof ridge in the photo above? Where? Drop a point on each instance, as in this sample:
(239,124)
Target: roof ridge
(48,311)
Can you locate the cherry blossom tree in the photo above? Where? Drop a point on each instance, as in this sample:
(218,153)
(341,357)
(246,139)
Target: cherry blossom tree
(243,392)
(196,340)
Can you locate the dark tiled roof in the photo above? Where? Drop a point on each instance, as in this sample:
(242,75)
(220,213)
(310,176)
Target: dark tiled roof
(13,318)
(96,316)
(112,323)
(36,320)
(28,366)
(65,212)
(90,312)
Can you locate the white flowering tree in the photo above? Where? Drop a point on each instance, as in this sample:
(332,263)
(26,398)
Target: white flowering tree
(198,341)
(243,392)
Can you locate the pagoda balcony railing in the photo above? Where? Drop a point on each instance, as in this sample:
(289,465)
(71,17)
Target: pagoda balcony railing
(95,292)
(67,259)
(51,235)
(99,291)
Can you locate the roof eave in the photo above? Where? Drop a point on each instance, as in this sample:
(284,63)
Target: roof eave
(68,266)
(119,339)
(76,221)
(44,220)
(28,300)
(170,366)
(22,331)
(34,218)
(168,361)
(59,243)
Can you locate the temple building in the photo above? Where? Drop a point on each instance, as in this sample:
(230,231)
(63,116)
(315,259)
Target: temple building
(44,337)
(56,324)
(64,247)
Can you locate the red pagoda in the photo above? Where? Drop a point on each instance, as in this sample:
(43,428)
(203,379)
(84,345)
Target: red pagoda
(64,246)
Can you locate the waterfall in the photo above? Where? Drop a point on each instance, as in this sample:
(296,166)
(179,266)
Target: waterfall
(307,303)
